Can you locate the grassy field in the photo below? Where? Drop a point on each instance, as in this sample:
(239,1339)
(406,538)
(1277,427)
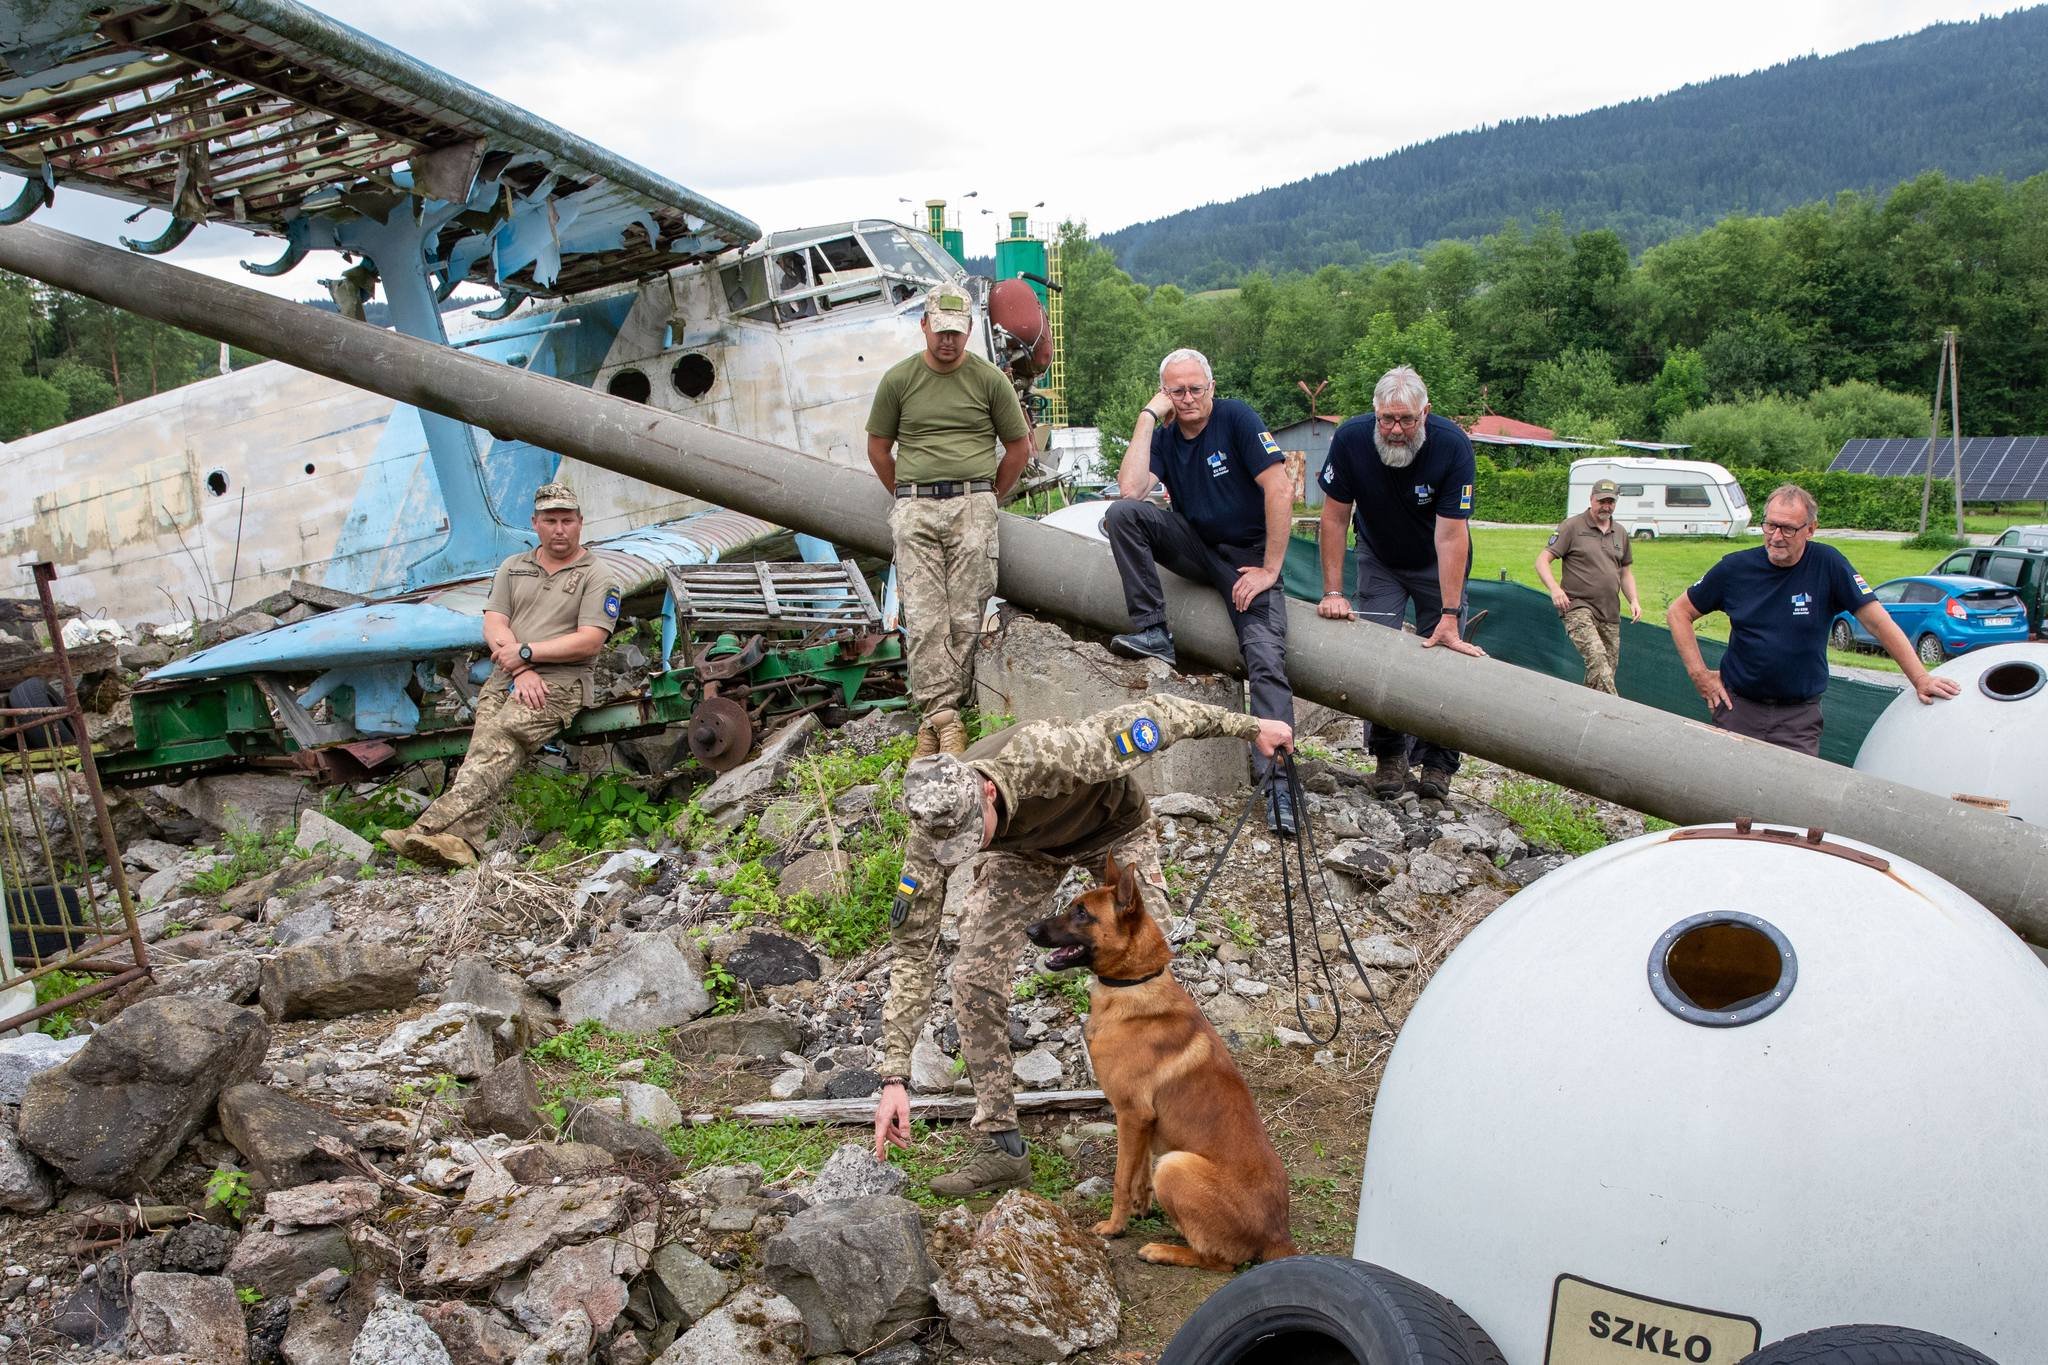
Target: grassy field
(1990,523)
(1666,568)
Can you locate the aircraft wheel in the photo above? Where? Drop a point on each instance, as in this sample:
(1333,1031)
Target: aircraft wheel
(1328,1310)
(1866,1345)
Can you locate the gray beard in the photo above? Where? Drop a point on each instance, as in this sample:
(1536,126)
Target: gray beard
(1393,455)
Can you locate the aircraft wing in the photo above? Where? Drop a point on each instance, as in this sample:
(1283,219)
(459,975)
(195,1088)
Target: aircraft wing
(271,115)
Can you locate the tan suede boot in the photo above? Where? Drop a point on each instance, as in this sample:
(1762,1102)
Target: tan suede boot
(952,734)
(987,1167)
(927,741)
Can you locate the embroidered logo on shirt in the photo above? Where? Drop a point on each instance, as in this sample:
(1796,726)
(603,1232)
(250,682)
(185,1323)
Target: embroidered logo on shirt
(611,604)
(1802,604)
(1424,492)
(1465,498)
(1325,474)
(1141,738)
(1272,446)
(1218,465)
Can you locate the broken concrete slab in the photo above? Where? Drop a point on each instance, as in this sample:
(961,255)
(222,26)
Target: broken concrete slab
(316,830)
(241,803)
(193,1315)
(322,1203)
(331,980)
(279,1137)
(750,1033)
(476,1246)
(763,773)
(651,984)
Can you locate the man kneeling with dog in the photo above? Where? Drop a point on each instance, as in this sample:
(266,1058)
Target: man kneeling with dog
(1040,799)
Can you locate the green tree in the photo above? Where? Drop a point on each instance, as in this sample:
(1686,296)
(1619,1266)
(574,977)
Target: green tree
(1429,346)
(1679,387)
(1106,331)
(1764,433)
(29,405)
(1582,382)
(86,390)
(1856,409)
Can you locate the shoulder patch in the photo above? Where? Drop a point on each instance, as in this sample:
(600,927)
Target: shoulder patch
(1141,738)
(611,603)
(1272,446)
(1861,586)
(1465,498)
(1326,473)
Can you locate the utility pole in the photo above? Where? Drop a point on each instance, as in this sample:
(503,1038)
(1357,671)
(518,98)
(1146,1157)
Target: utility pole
(1946,371)
(1955,424)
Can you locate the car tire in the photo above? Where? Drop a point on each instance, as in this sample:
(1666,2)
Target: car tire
(1930,650)
(1840,637)
(1328,1310)
(1866,1345)
(1645,533)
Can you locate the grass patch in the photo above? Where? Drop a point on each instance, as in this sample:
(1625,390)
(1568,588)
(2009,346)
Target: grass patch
(779,1149)
(1548,818)
(1070,985)
(249,855)
(589,1060)
(586,814)
(56,986)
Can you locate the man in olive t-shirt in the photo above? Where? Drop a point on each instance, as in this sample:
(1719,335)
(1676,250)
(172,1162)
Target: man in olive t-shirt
(551,610)
(1599,566)
(932,437)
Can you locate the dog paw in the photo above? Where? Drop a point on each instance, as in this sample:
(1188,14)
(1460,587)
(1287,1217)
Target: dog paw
(1109,1227)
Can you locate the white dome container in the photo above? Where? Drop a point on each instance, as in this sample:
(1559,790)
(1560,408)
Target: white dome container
(1838,1117)
(1988,741)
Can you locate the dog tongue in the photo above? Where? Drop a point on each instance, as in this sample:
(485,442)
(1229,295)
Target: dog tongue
(1063,957)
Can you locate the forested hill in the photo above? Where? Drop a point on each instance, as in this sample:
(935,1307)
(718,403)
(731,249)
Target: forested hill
(1967,99)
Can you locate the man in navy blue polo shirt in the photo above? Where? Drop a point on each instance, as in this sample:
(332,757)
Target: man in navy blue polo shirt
(1781,599)
(1232,509)
(1404,477)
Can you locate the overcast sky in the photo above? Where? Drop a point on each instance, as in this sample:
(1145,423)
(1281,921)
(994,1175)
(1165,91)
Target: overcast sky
(805,112)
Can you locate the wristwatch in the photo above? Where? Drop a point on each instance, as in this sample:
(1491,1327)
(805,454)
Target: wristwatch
(526,654)
(1450,611)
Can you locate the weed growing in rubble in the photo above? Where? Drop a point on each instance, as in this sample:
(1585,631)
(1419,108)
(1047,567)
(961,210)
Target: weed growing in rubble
(228,1188)
(981,724)
(752,889)
(586,1061)
(1239,927)
(369,815)
(249,1295)
(589,814)
(1548,818)
(724,988)
(56,986)
(248,855)
(1071,986)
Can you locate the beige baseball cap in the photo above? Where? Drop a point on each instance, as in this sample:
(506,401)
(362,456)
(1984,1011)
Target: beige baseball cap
(551,497)
(1606,488)
(948,308)
(942,793)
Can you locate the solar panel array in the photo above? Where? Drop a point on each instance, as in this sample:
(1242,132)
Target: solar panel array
(1995,468)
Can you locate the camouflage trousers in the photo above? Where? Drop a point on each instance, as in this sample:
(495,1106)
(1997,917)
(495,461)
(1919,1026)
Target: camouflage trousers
(1008,892)
(945,574)
(507,733)
(1598,643)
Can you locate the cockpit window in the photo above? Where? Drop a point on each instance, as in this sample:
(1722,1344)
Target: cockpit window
(842,254)
(746,285)
(895,253)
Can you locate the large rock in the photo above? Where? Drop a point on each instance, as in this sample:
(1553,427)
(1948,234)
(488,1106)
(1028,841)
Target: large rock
(1031,1287)
(233,977)
(278,1137)
(821,873)
(330,980)
(451,1040)
(627,1141)
(505,1101)
(762,774)
(1036,671)
(855,1269)
(650,984)
(241,803)
(478,1245)
(478,1336)
(750,1033)
(96,1313)
(25,1183)
(30,1054)
(473,981)
(759,1327)
(274,1263)
(316,829)
(323,1203)
(325,1318)
(113,1116)
(195,1315)
(649,1105)
(591,1277)
(685,1285)
(395,1334)
(568,1342)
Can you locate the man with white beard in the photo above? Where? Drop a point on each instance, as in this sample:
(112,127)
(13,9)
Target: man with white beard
(1403,477)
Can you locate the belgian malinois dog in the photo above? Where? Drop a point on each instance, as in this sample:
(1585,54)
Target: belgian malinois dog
(1177,1094)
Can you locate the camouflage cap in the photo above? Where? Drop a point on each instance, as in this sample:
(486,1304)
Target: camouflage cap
(551,497)
(948,308)
(1606,488)
(942,793)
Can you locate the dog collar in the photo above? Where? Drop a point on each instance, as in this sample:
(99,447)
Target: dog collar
(1128,980)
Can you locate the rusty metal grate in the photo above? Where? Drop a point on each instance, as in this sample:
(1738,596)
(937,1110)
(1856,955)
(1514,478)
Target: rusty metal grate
(68,906)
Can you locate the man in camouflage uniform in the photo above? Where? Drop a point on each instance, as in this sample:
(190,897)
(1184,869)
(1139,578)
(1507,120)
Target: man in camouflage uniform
(1037,799)
(1599,565)
(551,610)
(932,437)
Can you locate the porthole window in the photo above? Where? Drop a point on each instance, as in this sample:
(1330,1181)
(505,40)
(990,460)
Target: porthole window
(2013,681)
(217,482)
(630,384)
(1722,969)
(693,376)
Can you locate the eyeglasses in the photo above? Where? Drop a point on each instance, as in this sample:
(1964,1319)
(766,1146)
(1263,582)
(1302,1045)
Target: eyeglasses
(1396,419)
(1187,391)
(1779,528)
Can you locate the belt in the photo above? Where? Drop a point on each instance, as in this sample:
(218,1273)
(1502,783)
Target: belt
(1775,701)
(951,488)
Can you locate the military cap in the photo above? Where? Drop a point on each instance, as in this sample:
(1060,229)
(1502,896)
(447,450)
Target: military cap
(551,497)
(948,308)
(943,795)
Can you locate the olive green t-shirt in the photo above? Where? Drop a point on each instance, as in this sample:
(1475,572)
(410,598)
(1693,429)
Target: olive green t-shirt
(545,606)
(1593,560)
(945,426)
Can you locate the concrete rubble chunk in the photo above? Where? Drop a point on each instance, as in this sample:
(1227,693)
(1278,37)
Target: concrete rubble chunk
(650,984)
(649,1105)
(322,1203)
(115,1115)
(316,829)
(279,1136)
(1371,864)
(475,1246)
(590,1278)
(764,772)
(852,1172)
(481,1336)
(568,1342)
(274,1263)
(194,1315)
(758,1326)
(821,873)
(750,1033)
(686,1286)
(1434,876)
(855,1269)
(1186,806)
(241,803)
(543,1163)
(331,980)
(1038,1069)
(25,1183)
(23,1057)
(474,982)
(395,1334)
(325,1318)
(304,925)
(627,1141)
(931,1069)
(1031,1287)
(452,1040)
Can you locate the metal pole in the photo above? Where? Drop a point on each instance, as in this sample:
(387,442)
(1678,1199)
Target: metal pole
(1955,423)
(1933,435)
(1681,770)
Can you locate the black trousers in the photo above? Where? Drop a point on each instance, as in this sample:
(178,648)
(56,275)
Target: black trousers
(1382,597)
(1143,536)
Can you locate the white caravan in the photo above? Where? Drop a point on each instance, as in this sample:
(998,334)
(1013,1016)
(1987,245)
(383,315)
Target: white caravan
(1664,497)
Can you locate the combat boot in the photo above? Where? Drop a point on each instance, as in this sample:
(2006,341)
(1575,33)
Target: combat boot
(927,742)
(1390,778)
(987,1167)
(1434,784)
(952,734)
(430,850)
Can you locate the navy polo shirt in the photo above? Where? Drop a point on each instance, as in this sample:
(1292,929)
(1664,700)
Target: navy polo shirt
(1212,476)
(1395,510)
(1778,619)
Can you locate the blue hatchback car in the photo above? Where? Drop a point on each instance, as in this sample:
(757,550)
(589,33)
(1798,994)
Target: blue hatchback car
(1941,615)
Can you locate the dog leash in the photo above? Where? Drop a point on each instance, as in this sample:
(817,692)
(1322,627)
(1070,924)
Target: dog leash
(1304,848)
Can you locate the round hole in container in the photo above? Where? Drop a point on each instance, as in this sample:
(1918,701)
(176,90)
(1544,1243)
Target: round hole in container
(309,469)
(2014,680)
(630,384)
(217,483)
(1722,969)
(693,376)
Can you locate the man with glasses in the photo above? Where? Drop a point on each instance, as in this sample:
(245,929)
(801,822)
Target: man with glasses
(1233,506)
(1598,568)
(1781,598)
(1403,476)
(933,432)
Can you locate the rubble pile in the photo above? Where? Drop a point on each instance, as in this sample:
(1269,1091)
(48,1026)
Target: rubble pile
(363,1115)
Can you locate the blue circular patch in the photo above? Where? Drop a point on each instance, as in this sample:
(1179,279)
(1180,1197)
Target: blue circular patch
(1145,734)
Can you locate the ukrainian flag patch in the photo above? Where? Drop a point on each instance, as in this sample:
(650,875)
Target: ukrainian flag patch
(907,885)
(1465,498)
(1272,446)
(1861,586)
(1141,738)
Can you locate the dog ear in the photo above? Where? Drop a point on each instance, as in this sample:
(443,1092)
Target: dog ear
(1112,870)
(1127,891)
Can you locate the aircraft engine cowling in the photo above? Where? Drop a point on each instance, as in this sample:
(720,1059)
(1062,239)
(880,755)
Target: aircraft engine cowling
(1013,308)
